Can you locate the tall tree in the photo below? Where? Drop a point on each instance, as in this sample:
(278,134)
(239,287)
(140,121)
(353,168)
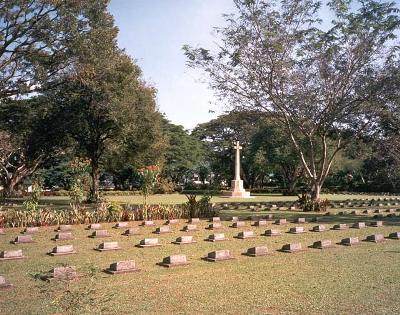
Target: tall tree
(320,82)
(35,41)
(105,105)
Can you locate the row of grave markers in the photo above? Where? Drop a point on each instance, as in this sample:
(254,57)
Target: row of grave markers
(126,266)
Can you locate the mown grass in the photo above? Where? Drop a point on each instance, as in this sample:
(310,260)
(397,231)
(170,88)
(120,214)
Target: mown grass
(363,279)
(56,201)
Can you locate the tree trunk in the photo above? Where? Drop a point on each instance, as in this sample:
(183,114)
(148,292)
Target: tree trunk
(94,187)
(316,191)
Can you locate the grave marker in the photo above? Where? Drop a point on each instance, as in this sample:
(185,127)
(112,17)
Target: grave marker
(350,241)
(238,224)
(377,224)
(107,246)
(319,228)
(359,225)
(260,223)
(292,248)
(281,221)
(11,254)
(186,239)
(63,250)
(94,226)
(100,233)
(322,244)
(121,225)
(258,251)
(273,232)
(132,231)
(297,230)
(173,221)
(4,284)
(215,226)
(217,237)
(163,229)
(23,239)
(300,220)
(63,236)
(149,242)
(376,238)
(174,261)
(148,223)
(219,255)
(65,228)
(194,220)
(31,230)
(124,266)
(394,236)
(341,226)
(246,234)
(190,227)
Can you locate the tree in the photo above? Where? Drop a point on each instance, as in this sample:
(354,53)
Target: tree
(320,83)
(183,153)
(35,41)
(27,139)
(105,106)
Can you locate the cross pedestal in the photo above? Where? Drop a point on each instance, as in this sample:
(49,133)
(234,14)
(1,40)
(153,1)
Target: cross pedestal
(237,190)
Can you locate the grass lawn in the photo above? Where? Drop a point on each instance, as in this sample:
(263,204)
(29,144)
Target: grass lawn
(179,198)
(363,279)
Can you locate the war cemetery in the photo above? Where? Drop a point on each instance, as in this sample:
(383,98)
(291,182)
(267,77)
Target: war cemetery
(199,157)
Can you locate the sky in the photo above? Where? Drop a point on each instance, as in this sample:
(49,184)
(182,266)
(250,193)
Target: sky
(153,32)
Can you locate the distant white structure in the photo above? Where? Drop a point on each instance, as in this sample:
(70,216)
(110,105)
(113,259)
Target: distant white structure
(237,190)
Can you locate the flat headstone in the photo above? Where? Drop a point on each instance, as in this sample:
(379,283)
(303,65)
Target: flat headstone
(268,216)
(100,233)
(217,237)
(11,254)
(341,226)
(281,221)
(63,236)
(186,239)
(174,261)
(273,232)
(149,242)
(94,226)
(63,273)
(300,220)
(260,223)
(297,230)
(173,221)
(65,228)
(395,235)
(238,224)
(391,210)
(359,225)
(349,241)
(63,250)
(292,248)
(246,234)
(377,224)
(107,246)
(121,225)
(31,230)
(194,220)
(367,211)
(190,227)
(4,284)
(322,244)
(258,251)
(215,226)
(215,219)
(234,219)
(219,255)
(22,239)
(319,228)
(148,223)
(376,238)
(132,231)
(124,266)
(163,229)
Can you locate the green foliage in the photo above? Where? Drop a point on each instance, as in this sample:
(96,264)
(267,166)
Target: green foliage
(200,208)
(308,204)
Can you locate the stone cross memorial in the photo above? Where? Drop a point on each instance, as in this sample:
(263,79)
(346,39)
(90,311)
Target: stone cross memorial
(237,190)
